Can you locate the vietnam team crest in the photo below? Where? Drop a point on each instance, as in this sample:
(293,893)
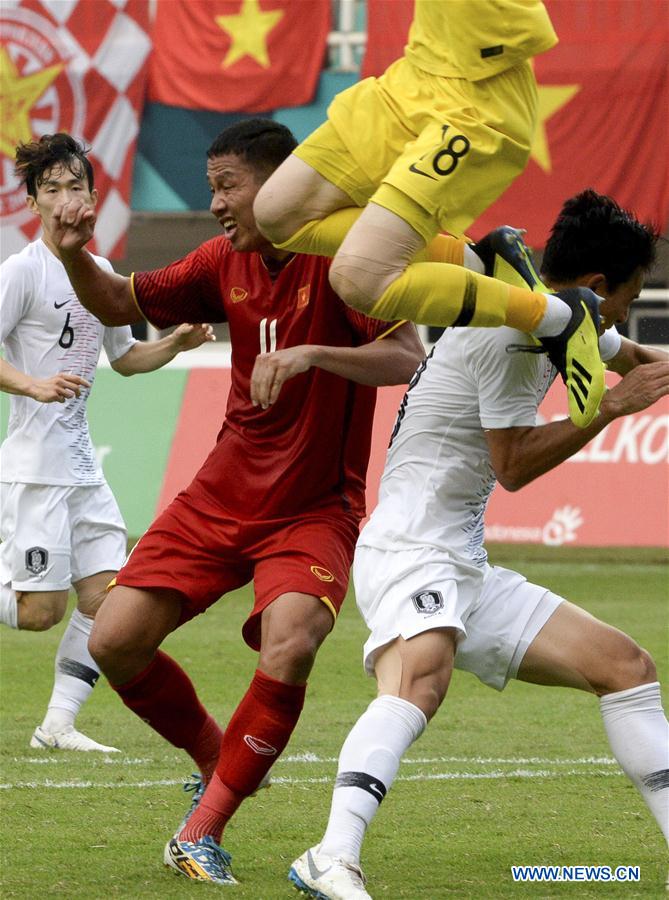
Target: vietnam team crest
(428,602)
(37,559)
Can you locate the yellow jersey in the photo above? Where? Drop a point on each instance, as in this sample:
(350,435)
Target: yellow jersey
(475,39)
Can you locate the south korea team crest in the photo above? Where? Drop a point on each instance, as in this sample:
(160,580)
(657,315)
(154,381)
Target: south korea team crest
(37,559)
(428,602)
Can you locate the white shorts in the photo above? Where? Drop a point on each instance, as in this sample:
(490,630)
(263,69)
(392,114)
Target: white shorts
(54,535)
(496,611)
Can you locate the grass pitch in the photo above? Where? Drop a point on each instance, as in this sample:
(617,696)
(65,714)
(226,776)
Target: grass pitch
(522,777)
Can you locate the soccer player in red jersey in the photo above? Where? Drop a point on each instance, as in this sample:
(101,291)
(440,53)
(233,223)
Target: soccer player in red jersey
(279,498)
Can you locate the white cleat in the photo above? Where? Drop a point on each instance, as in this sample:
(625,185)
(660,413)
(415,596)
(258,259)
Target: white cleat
(328,877)
(67,739)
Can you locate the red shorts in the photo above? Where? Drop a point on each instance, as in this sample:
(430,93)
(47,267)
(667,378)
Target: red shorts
(203,553)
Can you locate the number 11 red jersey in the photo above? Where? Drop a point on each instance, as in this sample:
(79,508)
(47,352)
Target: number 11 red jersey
(310,449)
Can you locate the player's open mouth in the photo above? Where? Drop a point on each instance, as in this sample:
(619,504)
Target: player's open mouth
(229,226)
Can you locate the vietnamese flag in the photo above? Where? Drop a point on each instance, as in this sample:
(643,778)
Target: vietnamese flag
(238,55)
(387,32)
(602,117)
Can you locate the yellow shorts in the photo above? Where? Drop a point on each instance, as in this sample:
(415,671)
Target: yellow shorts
(436,151)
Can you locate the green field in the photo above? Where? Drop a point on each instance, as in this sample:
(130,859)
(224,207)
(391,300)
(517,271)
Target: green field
(523,777)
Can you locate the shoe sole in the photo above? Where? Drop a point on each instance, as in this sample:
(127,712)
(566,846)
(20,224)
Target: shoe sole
(304,888)
(190,869)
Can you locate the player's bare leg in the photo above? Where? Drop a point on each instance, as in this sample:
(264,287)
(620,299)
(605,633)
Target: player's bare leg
(413,677)
(373,271)
(574,649)
(294,195)
(127,634)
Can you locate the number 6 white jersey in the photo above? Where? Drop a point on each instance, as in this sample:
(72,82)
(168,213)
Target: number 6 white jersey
(45,330)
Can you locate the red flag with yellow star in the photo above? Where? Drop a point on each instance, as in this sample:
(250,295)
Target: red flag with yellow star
(238,55)
(602,119)
(78,67)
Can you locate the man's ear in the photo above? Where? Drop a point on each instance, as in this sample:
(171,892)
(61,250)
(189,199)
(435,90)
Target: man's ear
(31,203)
(94,197)
(597,283)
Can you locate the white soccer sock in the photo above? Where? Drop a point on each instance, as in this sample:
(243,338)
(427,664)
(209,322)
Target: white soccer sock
(638,732)
(473,261)
(368,763)
(9,611)
(76,674)
(555,319)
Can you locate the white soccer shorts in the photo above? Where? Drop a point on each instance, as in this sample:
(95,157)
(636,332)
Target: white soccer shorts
(497,611)
(54,535)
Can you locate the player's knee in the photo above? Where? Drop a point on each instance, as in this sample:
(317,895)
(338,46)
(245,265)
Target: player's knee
(290,657)
(36,613)
(274,221)
(352,284)
(641,667)
(110,650)
(629,669)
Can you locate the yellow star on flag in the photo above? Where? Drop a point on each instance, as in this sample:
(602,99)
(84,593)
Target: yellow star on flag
(249,31)
(551,99)
(18,95)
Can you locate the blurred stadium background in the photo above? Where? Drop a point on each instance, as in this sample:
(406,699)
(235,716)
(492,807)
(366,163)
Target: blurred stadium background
(149,83)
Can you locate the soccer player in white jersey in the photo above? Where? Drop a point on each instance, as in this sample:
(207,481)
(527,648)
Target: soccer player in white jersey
(423,584)
(60,524)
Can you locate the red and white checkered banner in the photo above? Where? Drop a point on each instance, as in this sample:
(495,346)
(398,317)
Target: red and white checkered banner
(78,66)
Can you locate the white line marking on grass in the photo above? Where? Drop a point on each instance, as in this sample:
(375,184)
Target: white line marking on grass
(434,776)
(103,759)
(477,760)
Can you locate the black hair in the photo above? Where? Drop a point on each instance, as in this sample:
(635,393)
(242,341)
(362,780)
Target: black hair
(593,234)
(262,143)
(36,158)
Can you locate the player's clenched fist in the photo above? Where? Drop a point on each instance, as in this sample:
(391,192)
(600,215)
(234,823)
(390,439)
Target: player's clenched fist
(72,224)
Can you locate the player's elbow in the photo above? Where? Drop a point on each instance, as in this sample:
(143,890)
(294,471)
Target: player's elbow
(269,211)
(406,367)
(510,478)
(122,369)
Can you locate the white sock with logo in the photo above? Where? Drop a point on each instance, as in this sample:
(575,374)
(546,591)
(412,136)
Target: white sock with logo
(9,611)
(638,732)
(368,764)
(555,319)
(76,674)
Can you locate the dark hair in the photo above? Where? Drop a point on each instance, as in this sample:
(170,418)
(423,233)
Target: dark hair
(594,234)
(35,159)
(263,143)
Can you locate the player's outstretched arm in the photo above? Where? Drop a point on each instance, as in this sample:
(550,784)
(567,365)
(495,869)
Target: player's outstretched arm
(107,295)
(147,356)
(392,360)
(519,455)
(55,389)
(632,354)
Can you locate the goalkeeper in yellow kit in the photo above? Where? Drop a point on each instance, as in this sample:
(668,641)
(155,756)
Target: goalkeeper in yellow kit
(424,149)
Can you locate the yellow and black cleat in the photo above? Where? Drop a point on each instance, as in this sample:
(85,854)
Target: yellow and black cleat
(575,354)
